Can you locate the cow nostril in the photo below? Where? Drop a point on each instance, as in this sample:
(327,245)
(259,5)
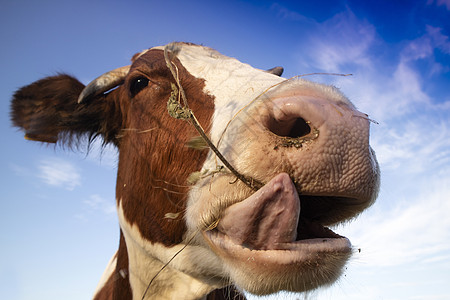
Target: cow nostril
(299,129)
(294,128)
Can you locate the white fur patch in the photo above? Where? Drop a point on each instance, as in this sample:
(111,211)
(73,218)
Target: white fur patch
(180,279)
(233,84)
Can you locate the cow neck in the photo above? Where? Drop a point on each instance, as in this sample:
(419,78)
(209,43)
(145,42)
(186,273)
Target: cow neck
(148,275)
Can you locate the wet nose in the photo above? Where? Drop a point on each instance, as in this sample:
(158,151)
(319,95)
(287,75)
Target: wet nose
(304,117)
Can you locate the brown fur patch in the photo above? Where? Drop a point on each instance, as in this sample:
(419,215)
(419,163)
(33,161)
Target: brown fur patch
(154,164)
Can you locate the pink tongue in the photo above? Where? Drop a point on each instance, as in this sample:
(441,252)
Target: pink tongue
(265,219)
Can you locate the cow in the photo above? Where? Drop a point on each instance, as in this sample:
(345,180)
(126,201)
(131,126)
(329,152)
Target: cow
(228,176)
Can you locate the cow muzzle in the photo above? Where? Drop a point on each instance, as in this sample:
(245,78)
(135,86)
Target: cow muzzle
(310,147)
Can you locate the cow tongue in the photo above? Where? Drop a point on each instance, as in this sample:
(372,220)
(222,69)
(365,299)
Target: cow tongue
(267,218)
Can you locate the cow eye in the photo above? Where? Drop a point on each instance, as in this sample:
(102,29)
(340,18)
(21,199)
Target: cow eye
(137,85)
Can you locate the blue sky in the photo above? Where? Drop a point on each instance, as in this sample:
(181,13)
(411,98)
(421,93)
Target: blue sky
(58,226)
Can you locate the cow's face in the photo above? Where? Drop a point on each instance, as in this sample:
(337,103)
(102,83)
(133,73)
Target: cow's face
(305,142)
(309,145)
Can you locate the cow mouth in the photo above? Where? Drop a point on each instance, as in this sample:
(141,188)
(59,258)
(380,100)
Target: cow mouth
(276,226)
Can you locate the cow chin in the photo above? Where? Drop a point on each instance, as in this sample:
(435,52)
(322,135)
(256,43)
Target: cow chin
(263,244)
(269,271)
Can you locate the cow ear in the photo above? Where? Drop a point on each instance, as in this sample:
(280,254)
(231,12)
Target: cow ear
(47,110)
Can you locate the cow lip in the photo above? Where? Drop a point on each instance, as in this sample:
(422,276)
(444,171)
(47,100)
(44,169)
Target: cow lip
(298,240)
(285,253)
(286,257)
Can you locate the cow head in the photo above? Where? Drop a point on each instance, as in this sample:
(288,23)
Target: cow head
(305,143)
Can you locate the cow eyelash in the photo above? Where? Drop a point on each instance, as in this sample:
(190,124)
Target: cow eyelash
(138,84)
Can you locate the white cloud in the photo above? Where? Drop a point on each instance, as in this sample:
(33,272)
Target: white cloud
(386,92)
(337,42)
(440,40)
(423,48)
(96,206)
(414,146)
(59,172)
(418,49)
(408,84)
(416,230)
(96,203)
